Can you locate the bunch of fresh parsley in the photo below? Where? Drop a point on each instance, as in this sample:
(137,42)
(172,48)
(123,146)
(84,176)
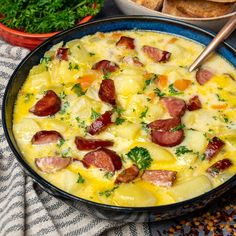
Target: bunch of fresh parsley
(44,16)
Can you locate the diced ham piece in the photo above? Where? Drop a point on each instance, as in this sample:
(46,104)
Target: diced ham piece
(100,123)
(126,42)
(127,175)
(105,66)
(175,106)
(194,104)
(52,164)
(103,158)
(46,136)
(48,105)
(219,166)
(162,178)
(90,144)
(107,92)
(162,132)
(62,54)
(156,54)
(213,148)
(203,75)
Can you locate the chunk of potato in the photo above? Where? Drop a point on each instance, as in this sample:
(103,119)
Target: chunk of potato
(191,188)
(195,140)
(127,130)
(133,196)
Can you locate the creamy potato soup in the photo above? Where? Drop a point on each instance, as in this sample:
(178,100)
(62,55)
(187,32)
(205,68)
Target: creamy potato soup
(116,118)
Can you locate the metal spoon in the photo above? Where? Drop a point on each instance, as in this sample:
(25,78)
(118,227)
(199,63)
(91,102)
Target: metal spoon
(222,35)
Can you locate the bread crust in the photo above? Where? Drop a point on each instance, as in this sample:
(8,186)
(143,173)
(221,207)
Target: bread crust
(151,4)
(196,8)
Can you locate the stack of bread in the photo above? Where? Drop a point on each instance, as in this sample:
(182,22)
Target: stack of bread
(191,8)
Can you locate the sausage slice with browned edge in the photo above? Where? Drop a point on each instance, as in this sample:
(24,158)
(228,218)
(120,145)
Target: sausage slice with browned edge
(156,54)
(103,158)
(107,92)
(127,175)
(46,136)
(126,42)
(48,105)
(203,75)
(62,54)
(162,178)
(176,107)
(213,148)
(101,123)
(194,104)
(105,66)
(164,134)
(219,166)
(52,164)
(90,144)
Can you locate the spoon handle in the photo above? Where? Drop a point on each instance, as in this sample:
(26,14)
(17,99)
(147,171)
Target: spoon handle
(229,27)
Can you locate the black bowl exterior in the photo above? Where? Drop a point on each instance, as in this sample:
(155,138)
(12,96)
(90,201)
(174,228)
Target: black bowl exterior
(125,214)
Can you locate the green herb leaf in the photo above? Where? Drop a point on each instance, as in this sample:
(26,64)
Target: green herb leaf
(119,120)
(107,193)
(27,97)
(178,127)
(107,75)
(60,142)
(145,127)
(94,114)
(109,175)
(65,105)
(78,90)
(181,150)
(220,99)
(80,179)
(144,113)
(141,157)
(158,92)
(173,91)
(91,54)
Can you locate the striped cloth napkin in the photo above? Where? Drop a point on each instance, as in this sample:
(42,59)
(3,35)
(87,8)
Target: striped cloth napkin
(27,210)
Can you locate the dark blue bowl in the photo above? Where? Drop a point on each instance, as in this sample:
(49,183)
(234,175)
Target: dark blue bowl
(128,214)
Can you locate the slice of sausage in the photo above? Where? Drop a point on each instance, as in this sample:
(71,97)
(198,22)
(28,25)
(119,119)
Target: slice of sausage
(105,66)
(48,105)
(52,164)
(100,123)
(162,178)
(103,158)
(213,148)
(203,75)
(167,138)
(165,124)
(107,92)
(219,166)
(175,106)
(126,42)
(156,54)
(127,175)
(46,136)
(90,144)
(194,104)
(62,54)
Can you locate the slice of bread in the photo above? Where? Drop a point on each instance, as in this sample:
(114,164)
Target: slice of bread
(151,4)
(196,8)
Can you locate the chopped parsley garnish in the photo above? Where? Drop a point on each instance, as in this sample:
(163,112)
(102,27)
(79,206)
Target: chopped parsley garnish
(92,54)
(70,66)
(144,113)
(107,75)
(78,90)
(27,97)
(145,127)
(109,175)
(80,179)
(120,120)
(141,157)
(207,137)
(178,127)
(226,119)
(65,105)
(118,110)
(66,152)
(202,157)
(45,60)
(181,150)
(81,123)
(94,114)
(220,99)
(159,93)
(107,193)
(76,67)
(60,142)
(173,91)
(149,81)
(62,95)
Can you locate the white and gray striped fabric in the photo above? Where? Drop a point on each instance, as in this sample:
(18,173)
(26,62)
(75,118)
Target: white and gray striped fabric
(27,210)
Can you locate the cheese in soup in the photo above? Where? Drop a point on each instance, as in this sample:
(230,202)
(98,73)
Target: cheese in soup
(116,118)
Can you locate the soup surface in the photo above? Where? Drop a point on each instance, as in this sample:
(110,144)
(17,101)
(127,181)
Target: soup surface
(116,118)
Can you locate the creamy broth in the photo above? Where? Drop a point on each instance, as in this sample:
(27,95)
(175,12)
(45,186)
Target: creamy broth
(142,82)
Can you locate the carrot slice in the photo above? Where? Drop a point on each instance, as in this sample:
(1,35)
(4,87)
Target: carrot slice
(182,84)
(220,106)
(172,40)
(152,96)
(86,80)
(162,81)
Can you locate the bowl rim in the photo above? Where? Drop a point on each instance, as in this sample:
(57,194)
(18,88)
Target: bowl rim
(32,35)
(159,13)
(65,195)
